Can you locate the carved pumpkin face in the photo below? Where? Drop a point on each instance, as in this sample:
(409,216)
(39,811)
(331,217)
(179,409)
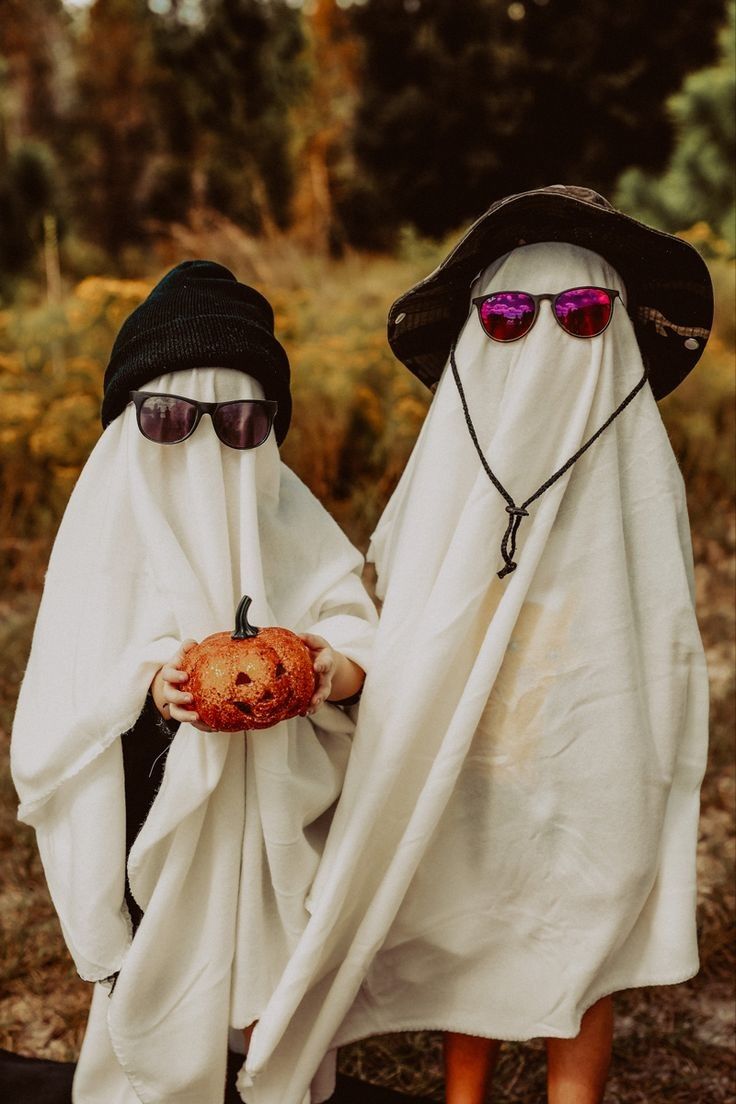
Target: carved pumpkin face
(252,679)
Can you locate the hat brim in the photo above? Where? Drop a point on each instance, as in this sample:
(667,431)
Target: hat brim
(669,290)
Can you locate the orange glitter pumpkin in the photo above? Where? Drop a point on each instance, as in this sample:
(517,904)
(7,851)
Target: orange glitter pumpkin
(251,679)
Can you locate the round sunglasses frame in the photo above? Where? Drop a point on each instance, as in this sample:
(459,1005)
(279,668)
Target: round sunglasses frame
(553,297)
(139,397)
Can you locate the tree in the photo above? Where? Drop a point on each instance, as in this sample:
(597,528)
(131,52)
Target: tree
(26,195)
(321,126)
(34,45)
(33,36)
(463,101)
(698,183)
(436,79)
(172,110)
(113,127)
(242,68)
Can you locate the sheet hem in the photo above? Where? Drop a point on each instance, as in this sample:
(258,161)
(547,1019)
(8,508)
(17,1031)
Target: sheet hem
(542,1033)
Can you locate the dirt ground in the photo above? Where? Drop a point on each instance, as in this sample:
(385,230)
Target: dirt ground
(674,1045)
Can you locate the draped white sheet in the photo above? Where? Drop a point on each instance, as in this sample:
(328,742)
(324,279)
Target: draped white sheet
(158,543)
(516,834)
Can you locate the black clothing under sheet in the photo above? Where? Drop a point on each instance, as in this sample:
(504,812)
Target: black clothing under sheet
(145,747)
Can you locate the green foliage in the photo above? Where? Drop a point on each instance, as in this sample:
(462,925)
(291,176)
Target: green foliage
(698,183)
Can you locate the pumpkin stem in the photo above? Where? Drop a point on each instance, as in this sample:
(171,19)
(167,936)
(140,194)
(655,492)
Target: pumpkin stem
(243,629)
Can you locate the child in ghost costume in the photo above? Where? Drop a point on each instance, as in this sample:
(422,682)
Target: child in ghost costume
(186,939)
(516,836)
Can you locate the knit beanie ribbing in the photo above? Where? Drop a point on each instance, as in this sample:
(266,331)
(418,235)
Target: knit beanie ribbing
(198,316)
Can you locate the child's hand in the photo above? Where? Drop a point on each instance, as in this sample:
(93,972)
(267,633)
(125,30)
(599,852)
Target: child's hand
(170,699)
(337,676)
(324,662)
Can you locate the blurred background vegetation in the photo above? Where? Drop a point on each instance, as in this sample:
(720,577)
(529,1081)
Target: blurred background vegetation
(330,152)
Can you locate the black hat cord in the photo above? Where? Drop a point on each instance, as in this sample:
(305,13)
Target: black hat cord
(517,513)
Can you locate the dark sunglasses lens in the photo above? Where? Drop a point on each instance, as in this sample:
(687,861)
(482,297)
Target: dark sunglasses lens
(507,315)
(584,312)
(166,419)
(243,425)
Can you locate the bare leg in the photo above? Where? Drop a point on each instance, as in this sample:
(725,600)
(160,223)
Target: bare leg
(247,1032)
(577,1068)
(469,1065)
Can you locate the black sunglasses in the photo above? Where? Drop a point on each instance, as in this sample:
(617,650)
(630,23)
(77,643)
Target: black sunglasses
(170,419)
(580,311)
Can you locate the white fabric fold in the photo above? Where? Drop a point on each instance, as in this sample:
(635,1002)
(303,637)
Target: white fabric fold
(158,543)
(516,834)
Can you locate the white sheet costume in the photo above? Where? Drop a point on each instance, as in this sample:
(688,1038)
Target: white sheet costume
(516,834)
(158,543)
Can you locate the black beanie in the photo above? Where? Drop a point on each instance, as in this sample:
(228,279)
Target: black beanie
(198,316)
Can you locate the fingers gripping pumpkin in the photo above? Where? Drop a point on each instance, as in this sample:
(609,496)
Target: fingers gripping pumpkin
(251,679)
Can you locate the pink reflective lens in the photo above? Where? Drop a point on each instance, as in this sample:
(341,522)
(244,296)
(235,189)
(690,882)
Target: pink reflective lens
(581,312)
(507,315)
(584,311)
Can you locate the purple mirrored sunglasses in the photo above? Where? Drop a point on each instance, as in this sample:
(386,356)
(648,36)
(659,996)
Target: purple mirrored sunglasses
(580,311)
(170,419)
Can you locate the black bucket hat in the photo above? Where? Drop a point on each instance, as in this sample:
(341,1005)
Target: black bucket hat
(198,316)
(668,287)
